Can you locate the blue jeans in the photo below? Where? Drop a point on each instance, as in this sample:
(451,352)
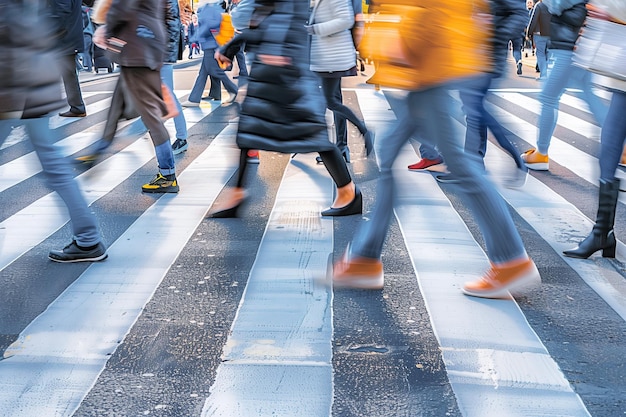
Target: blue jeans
(516,44)
(59,176)
(210,67)
(472,93)
(613,136)
(541,52)
(563,74)
(180,124)
(428,112)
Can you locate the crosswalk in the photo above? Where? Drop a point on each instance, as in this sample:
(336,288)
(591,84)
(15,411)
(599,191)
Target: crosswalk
(195,317)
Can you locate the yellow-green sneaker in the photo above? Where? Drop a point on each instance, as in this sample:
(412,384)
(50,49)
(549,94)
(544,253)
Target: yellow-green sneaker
(535,160)
(161,184)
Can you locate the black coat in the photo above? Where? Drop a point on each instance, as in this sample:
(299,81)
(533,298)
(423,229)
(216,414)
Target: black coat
(67,16)
(174,31)
(509,22)
(284,110)
(27,91)
(141,23)
(565,28)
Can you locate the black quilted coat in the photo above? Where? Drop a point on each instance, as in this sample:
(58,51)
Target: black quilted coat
(284,110)
(30,83)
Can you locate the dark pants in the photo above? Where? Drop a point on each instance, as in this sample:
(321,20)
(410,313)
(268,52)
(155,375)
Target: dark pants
(333,161)
(331,87)
(121,108)
(69,74)
(210,67)
(144,86)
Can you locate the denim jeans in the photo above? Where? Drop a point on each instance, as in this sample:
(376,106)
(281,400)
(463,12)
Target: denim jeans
(541,52)
(428,113)
(478,119)
(562,75)
(210,67)
(613,136)
(59,176)
(180,124)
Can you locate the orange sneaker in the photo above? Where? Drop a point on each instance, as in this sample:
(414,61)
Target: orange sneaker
(535,160)
(501,279)
(362,273)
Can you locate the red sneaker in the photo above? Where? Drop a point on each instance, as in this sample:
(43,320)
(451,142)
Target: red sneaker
(425,163)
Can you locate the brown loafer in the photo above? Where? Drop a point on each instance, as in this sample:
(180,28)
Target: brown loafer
(70,113)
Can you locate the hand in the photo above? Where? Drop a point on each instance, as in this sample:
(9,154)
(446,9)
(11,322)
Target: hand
(221,59)
(310,29)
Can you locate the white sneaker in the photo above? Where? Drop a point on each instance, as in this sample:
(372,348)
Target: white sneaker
(231,98)
(190,104)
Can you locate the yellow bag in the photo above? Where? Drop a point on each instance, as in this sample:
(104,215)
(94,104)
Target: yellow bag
(226,31)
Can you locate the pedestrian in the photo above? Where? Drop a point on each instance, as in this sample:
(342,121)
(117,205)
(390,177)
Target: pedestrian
(135,31)
(283,110)
(27,97)
(209,20)
(612,141)
(173,53)
(333,56)
(509,19)
(192,36)
(240,57)
(68,22)
(567,18)
(538,31)
(433,69)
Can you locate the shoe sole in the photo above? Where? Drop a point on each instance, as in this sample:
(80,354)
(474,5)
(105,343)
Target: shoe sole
(179,151)
(67,261)
(528,278)
(436,167)
(538,166)
(361,283)
(161,190)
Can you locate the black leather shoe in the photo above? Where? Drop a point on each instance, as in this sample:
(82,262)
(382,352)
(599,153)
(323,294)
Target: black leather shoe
(354,207)
(228,213)
(70,113)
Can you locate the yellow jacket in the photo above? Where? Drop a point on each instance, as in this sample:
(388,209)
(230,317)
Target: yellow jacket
(422,43)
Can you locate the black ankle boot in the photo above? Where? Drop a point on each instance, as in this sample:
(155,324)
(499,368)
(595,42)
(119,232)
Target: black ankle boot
(602,236)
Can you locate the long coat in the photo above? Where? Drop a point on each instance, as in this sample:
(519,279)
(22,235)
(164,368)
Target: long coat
(284,110)
(141,23)
(25,90)
(67,17)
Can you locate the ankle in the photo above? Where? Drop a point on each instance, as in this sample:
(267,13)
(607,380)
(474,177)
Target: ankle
(345,195)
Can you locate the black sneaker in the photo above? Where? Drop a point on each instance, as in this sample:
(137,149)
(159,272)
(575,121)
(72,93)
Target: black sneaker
(179,146)
(74,253)
(161,184)
(519,68)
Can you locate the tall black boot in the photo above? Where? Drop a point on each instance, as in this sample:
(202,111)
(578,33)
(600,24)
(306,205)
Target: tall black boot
(602,236)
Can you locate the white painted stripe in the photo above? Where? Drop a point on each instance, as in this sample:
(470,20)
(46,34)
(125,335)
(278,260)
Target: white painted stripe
(277,359)
(566,120)
(57,121)
(95,183)
(59,355)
